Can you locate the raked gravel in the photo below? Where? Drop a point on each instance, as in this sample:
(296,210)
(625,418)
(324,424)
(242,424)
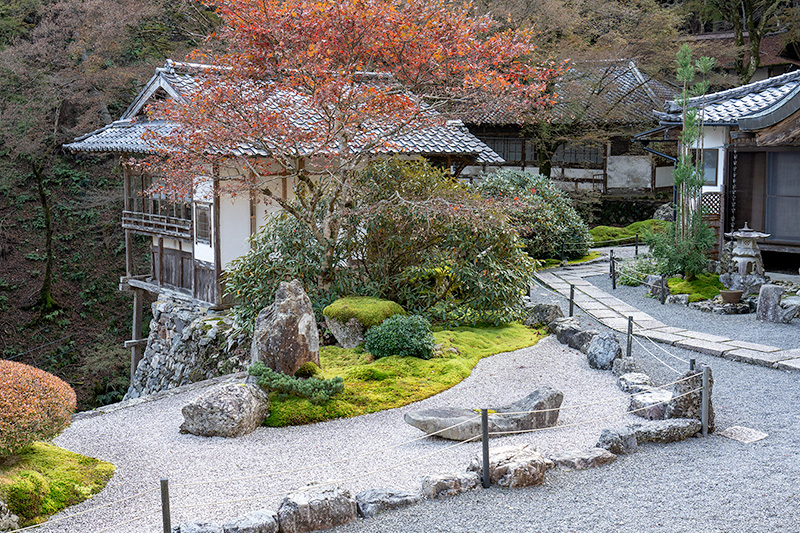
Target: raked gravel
(144,443)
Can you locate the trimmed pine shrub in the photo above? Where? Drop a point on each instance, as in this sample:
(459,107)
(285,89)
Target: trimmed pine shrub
(316,390)
(401,335)
(34,406)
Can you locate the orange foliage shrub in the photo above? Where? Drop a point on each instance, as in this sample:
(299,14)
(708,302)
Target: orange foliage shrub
(34,405)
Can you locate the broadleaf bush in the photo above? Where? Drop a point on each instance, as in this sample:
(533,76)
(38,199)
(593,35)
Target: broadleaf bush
(34,406)
(316,390)
(401,335)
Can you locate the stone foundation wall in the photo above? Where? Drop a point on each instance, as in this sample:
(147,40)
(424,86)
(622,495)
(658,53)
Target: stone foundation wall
(187,343)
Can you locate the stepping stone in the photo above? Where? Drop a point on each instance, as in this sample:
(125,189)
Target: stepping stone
(752,346)
(744,355)
(702,346)
(658,336)
(789,364)
(706,336)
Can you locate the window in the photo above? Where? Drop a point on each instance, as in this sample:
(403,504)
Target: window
(709,165)
(512,149)
(202,224)
(591,154)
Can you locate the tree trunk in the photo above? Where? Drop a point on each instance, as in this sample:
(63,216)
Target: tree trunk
(45,302)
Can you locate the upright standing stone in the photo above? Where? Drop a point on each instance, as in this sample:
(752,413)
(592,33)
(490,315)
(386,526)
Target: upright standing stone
(285,334)
(769,305)
(316,508)
(687,397)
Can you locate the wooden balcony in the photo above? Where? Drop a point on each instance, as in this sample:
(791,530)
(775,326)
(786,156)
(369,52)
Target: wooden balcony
(160,225)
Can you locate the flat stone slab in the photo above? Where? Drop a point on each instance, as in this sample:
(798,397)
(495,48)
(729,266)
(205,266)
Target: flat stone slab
(658,336)
(648,324)
(591,305)
(743,434)
(671,329)
(752,346)
(702,346)
(604,312)
(744,355)
(706,336)
(537,410)
(618,324)
(789,364)
(582,459)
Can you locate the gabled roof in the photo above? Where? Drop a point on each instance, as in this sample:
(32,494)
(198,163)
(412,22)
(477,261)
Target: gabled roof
(177,80)
(592,92)
(752,106)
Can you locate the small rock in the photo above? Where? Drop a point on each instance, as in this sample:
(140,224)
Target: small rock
(200,527)
(514,466)
(8,520)
(619,441)
(228,410)
(261,521)
(581,340)
(681,299)
(624,365)
(316,508)
(543,314)
(672,430)
(583,459)
(603,350)
(348,334)
(688,404)
(651,404)
(442,485)
(373,501)
(634,382)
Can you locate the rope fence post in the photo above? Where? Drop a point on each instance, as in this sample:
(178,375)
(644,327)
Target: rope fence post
(636,250)
(630,335)
(613,272)
(705,400)
(692,364)
(663,293)
(487,481)
(571,299)
(165,505)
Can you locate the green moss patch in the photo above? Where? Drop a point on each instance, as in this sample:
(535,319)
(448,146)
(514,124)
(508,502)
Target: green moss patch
(611,235)
(43,479)
(703,287)
(550,263)
(368,311)
(389,382)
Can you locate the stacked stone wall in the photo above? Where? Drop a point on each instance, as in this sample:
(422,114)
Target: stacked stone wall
(187,343)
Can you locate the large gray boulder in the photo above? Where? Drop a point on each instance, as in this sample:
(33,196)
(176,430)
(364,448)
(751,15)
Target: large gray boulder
(672,430)
(653,284)
(315,508)
(651,403)
(347,334)
(687,398)
(750,284)
(261,521)
(228,410)
(543,314)
(564,328)
(603,350)
(8,520)
(634,382)
(373,501)
(619,441)
(769,307)
(664,212)
(582,459)
(285,334)
(514,466)
(442,485)
(537,410)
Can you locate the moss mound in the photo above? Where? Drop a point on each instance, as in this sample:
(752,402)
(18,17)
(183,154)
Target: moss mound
(43,479)
(703,287)
(369,311)
(611,235)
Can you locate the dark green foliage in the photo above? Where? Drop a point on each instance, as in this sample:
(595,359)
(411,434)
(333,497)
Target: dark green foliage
(401,335)
(541,213)
(624,211)
(682,256)
(307,370)
(315,390)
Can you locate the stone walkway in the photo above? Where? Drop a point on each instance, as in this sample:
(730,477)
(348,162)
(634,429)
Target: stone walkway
(613,313)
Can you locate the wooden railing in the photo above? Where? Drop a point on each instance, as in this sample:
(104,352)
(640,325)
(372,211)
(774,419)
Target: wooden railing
(157,224)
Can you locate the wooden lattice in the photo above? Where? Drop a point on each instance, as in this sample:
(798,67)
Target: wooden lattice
(711,203)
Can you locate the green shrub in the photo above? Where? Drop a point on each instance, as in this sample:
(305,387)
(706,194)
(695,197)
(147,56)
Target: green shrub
(634,271)
(368,311)
(542,214)
(34,405)
(317,391)
(307,370)
(401,335)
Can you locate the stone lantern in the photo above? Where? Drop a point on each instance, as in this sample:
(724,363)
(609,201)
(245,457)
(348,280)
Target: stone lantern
(746,254)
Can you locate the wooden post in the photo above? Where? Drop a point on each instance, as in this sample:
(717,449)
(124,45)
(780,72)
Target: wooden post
(136,330)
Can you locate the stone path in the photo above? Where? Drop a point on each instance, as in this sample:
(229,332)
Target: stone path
(613,313)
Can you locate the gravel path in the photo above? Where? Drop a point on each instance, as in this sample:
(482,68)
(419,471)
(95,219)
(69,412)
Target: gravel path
(145,445)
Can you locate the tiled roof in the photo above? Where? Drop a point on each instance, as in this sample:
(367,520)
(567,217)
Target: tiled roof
(595,92)
(126,135)
(730,106)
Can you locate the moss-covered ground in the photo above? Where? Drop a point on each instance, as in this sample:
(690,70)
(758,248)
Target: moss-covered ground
(611,235)
(43,479)
(550,263)
(389,382)
(703,287)
(368,311)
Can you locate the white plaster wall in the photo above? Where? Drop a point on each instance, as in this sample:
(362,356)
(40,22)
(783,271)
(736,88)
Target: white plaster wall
(715,138)
(234,230)
(665,176)
(172,244)
(629,171)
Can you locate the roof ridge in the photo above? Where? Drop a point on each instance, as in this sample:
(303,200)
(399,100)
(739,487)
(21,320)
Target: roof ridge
(735,92)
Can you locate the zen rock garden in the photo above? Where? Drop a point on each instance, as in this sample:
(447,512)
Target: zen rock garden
(235,409)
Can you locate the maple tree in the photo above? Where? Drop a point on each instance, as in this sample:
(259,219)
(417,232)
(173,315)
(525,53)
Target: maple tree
(314,89)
